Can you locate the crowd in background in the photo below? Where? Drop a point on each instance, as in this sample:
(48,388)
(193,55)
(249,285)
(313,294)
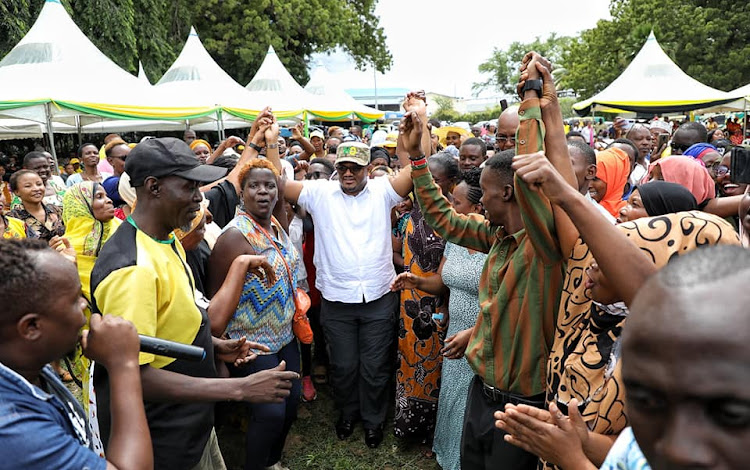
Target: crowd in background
(499,288)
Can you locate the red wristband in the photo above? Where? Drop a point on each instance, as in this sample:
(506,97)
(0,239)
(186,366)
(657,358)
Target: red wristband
(422,161)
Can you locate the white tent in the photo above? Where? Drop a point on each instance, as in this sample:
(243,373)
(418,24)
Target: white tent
(335,99)
(274,86)
(142,74)
(55,66)
(654,84)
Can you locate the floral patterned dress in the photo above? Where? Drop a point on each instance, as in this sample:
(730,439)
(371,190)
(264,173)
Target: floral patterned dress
(420,337)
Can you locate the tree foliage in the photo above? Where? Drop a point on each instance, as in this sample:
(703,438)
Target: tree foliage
(236,33)
(239,33)
(708,39)
(503,65)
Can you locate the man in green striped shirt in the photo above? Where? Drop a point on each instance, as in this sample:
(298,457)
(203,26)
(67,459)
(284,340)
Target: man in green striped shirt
(520,286)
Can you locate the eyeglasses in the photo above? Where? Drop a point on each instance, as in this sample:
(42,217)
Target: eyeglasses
(501,139)
(354,169)
(721,170)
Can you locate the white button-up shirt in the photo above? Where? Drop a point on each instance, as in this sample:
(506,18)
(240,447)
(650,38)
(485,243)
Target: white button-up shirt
(353,250)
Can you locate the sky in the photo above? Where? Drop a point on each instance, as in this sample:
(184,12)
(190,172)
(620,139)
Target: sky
(438,45)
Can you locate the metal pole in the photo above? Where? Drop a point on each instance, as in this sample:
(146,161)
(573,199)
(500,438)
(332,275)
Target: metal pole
(375,81)
(50,133)
(78,128)
(222,134)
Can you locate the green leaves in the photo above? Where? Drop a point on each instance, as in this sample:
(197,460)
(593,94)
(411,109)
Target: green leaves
(236,33)
(708,39)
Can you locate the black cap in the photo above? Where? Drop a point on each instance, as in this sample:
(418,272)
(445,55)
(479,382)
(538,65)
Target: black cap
(167,156)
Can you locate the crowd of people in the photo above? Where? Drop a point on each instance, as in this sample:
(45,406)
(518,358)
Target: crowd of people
(519,300)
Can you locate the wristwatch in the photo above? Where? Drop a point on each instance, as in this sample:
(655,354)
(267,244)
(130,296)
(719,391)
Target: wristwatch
(532,85)
(255,146)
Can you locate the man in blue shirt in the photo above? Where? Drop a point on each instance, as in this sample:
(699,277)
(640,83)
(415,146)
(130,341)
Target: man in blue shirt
(41,423)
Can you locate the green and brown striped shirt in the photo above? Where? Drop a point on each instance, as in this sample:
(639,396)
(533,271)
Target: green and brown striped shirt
(519,290)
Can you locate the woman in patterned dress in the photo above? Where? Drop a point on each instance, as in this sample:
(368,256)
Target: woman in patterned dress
(266,308)
(459,274)
(43,221)
(420,336)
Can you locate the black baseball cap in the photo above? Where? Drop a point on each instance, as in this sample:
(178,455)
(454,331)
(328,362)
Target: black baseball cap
(168,156)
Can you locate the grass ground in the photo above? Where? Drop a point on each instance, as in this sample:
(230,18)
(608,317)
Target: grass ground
(312,443)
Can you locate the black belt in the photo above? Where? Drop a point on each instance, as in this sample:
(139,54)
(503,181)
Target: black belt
(502,396)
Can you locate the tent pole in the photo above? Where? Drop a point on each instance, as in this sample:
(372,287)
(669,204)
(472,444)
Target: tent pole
(78,128)
(50,134)
(220,124)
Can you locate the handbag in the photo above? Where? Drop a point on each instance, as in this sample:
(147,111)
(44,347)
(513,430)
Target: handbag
(300,322)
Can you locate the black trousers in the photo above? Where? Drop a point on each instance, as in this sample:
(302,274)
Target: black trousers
(360,338)
(482,444)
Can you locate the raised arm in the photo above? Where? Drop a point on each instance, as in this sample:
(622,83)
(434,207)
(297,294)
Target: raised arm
(227,143)
(624,264)
(292,189)
(536,67)
(415,103)
(308,149)
(471,231)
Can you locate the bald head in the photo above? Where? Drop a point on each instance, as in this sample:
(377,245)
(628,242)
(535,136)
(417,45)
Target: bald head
(686,135)
(685,356)
(507,125)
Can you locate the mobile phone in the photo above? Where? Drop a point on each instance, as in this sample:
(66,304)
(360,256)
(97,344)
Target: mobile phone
(661,141)
(740,165)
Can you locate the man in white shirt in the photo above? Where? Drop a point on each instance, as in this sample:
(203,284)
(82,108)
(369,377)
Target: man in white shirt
(353,259)
(583,159)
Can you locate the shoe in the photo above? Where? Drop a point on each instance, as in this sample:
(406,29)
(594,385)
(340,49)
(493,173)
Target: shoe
(277,466)
(373,437)
(308,389)
(344,428)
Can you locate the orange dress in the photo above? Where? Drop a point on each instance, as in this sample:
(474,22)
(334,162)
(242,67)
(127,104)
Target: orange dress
(420,337)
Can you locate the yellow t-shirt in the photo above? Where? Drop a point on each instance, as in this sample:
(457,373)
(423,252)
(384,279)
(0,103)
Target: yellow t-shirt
(149,283)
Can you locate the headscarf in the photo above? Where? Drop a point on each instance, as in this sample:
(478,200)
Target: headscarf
(687,172)
(613,167)
(198,142)
(663,197)
(127,192)
(85,233)
(180,234)
(697,151)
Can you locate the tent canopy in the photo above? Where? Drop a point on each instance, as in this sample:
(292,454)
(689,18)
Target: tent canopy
(335,99)
(56,70)
(652,83)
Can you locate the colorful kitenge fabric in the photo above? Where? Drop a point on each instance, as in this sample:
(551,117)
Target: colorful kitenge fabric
(14,228)
(625,454)
(420,337)
(582,364)
(264,314)
(51,226)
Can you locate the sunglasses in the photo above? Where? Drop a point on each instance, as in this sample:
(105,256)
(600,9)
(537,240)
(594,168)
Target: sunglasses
(354,169)
(680,147)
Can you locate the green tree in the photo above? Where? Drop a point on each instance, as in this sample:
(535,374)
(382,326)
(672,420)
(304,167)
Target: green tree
(15,21)
(502,67)
(109,25)
(238,33)
(708,39)
(445,110)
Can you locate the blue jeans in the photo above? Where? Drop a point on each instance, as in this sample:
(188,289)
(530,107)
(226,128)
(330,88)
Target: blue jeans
(270,422)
